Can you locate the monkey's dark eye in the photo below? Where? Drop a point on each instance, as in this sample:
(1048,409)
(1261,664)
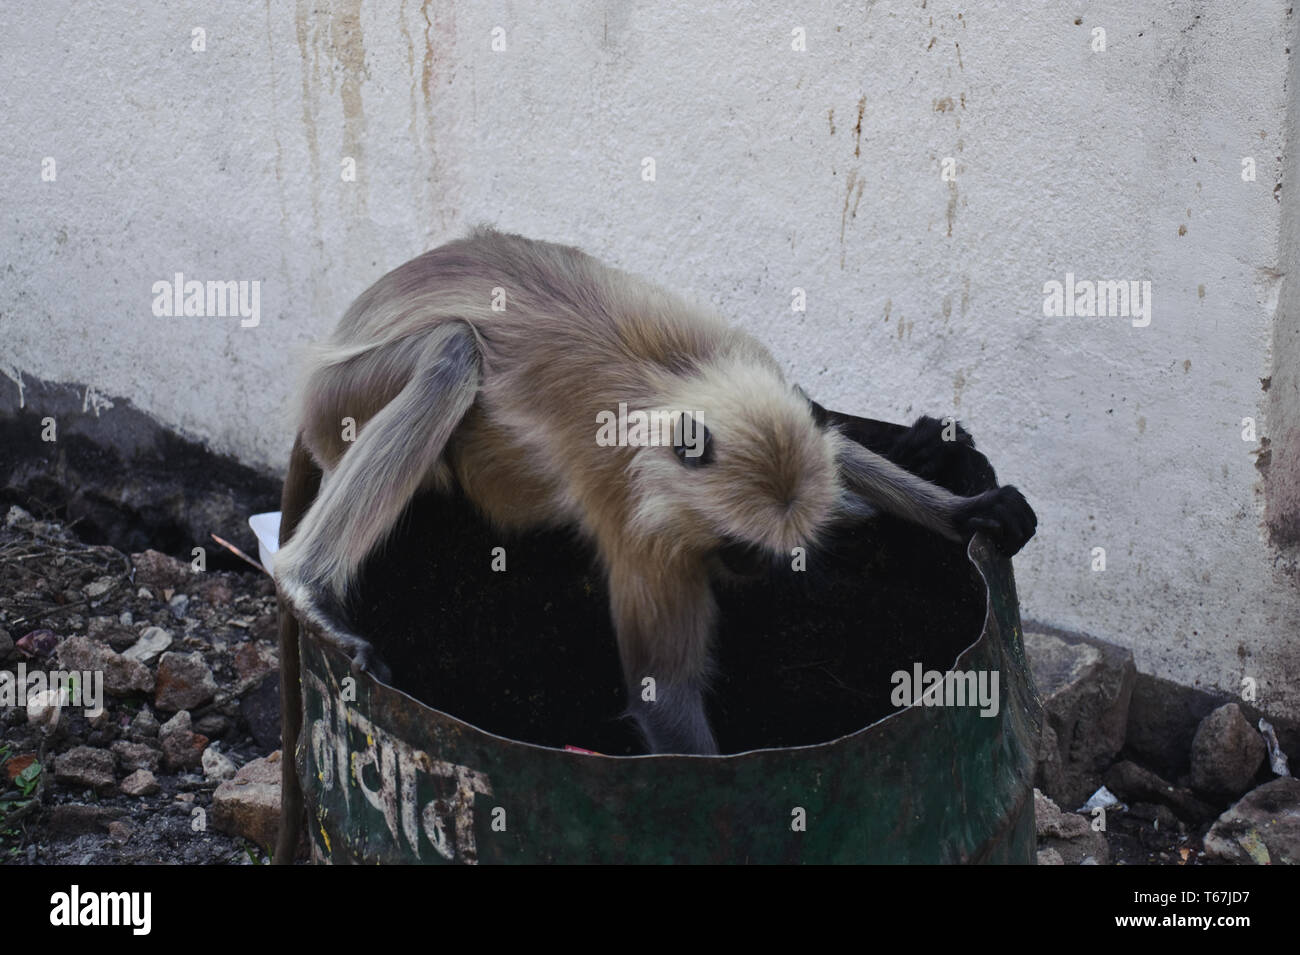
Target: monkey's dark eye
(692,442)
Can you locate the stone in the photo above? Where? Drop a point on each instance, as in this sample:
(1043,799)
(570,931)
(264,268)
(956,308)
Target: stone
(157,570)
(253,660)
(215,590)
(184,682)
(182,722)
(6,645)
(98,587)
(178,605)
(1133,783)
(37,643)
(1263,827)
(44,708)
(86,766)
(99,626)
(1052,821)
(144,725)
(184,751)
(216,765)
(121,638)
(122,677)
(17,517)
(1162,720)
(248,804)
(1086,686)
(182,747)
(140,783)
(1069,835)
(153,641)
(1049,857)
(120,831)
(212,725)
(1227,752)
(136,756)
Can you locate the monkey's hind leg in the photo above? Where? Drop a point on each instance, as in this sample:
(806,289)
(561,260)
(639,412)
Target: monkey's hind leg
(376,478)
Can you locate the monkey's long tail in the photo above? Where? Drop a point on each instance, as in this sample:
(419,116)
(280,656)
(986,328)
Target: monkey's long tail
(300,488)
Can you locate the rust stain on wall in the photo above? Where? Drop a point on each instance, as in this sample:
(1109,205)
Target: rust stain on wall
(852,185)
(331,44)
(410,69)
(310,99)
(857,130)
(439,35)
(346,46)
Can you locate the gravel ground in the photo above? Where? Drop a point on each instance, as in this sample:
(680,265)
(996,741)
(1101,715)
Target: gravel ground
(133,783)
(191,693)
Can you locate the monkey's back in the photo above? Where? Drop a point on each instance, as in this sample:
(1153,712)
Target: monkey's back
(561,337)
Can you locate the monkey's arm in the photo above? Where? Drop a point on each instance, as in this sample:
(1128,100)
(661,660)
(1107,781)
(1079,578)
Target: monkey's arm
(1002,513)
(374,481)
(664,613)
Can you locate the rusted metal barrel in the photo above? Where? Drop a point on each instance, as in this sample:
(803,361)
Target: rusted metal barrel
(510,664)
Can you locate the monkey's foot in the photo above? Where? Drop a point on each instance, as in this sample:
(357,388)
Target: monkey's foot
(922,450)
(1003,514)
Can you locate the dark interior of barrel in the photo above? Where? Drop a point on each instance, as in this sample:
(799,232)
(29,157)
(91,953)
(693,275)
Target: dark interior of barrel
(802,656)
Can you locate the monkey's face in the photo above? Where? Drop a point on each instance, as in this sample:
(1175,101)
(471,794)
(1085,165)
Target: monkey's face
(748,464)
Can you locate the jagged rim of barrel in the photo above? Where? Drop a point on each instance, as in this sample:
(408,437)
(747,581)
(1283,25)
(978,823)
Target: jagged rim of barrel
(979,552)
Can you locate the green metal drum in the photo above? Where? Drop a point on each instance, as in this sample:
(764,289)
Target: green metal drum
(833,758)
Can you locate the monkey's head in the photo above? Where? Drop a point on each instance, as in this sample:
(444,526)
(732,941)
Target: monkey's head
(751,462)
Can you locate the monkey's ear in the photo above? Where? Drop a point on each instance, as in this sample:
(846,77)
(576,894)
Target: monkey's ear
(820,415)
(692,442)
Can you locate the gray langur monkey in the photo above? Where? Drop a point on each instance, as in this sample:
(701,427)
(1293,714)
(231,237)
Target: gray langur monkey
(488,364)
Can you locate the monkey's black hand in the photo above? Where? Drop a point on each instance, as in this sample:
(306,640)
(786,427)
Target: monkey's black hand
(1003,514)
(922,449)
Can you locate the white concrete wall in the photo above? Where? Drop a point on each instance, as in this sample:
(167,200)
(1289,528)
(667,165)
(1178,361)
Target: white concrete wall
(774,169)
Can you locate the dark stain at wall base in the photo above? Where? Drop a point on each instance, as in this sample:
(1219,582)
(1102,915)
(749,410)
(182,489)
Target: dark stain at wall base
(120,477)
